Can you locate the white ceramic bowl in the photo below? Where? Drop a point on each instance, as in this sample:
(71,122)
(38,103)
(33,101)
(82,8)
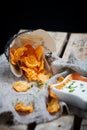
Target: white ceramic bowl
(73,93)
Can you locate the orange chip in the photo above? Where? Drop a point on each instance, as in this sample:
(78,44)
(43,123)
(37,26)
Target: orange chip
(53,106)
(30,49)
(19,52)
(39,52)
(12,58)
(52,94)
(21,86)
(42,77)
(60,79)
(30,61)
(16,54)
(20,107)
(41,68)
(30,73)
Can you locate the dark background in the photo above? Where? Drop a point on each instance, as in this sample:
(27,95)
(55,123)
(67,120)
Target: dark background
(51,16)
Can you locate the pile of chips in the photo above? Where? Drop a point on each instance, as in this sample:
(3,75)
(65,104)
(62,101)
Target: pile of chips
(31,61)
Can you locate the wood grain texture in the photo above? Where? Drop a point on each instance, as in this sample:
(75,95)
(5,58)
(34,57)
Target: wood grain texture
(14,127)
(60,39)
(78,44)
(63,123)
(84,124)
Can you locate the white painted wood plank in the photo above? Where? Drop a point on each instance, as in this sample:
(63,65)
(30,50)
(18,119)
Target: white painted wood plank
(63,123)
(78,43)
(60,39)
(83,128)
(84,124)
(16,127)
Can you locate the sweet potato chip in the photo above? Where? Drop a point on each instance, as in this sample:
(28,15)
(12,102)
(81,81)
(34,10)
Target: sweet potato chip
(22,108)
(16,54)
(21,86)
(19,53)
(53,106)
(60,79)
(30,49)
(41,68)
(30,73)
(39,52)
(52,94)
(43,77)
(30,60)
(12,58)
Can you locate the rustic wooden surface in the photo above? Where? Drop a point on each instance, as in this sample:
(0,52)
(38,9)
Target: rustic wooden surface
(78,43)
(63,123)
(60,39)
(17,127)
(84,124)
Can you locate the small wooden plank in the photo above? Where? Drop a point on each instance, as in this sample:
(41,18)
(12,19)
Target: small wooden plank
(60,39)
(13,127)
(83,127)
(84,124)
(63,123)
(78,43)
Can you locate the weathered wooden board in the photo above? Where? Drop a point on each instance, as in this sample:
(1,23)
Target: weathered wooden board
(60,40)
(63,123)
(84,124)
(77,43)
(16,127)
